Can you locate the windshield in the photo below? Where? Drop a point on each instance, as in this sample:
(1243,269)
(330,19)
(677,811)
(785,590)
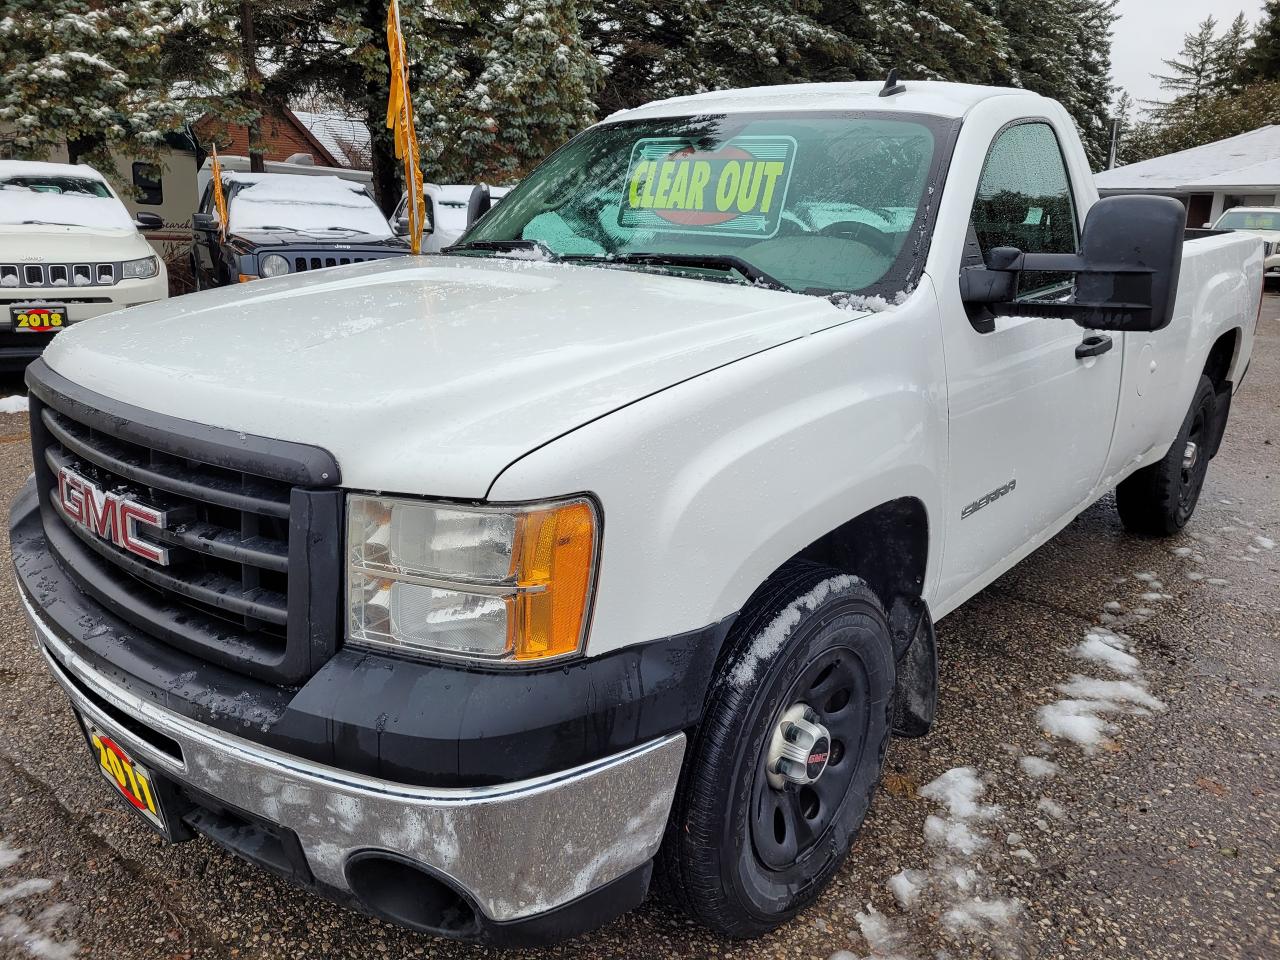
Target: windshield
(306,204)
(1250,220)
(61,200)
(818,203)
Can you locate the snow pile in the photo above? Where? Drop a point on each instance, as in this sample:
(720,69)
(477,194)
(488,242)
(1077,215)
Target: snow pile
(1083,715)
(1038,767)
(30,936)
(952,887)
(875,304)
(13,404)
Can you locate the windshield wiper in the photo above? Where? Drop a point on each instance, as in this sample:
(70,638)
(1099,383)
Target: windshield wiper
(505,246)
(707,261)
(49,223)
(348,229)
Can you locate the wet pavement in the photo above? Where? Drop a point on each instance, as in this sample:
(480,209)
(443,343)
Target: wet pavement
(1160,839)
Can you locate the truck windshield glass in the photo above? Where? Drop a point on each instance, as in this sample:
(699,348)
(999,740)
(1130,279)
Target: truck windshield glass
(819,203)
(1250,220)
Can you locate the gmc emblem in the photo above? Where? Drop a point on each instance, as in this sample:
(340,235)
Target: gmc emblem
(110,515)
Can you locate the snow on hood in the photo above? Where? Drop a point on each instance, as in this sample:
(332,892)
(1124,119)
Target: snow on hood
(18,205)
(306,203)
(427,374)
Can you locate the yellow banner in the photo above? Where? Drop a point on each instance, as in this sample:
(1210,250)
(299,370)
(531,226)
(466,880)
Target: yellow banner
(400,122)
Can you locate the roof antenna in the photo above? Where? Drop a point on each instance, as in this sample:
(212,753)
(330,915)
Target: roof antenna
(892,86)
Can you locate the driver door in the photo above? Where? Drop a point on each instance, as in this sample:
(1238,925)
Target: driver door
(1030,422)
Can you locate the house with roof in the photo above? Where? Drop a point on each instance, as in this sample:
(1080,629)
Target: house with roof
(1241,171)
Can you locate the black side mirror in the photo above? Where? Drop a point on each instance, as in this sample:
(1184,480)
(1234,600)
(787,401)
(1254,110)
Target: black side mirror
(429,226)
(1126,271)
(205,221)
(478,204)
(148,221)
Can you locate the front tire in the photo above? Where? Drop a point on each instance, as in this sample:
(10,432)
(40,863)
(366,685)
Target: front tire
(747,848)
(1158,500)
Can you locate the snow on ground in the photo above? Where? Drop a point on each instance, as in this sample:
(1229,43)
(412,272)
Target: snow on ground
(952,890)
(31,936)
(13,404)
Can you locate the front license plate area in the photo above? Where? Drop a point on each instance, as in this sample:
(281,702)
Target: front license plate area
(133,781)
(37,317)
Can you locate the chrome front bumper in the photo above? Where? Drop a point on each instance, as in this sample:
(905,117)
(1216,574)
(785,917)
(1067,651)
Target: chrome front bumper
(516,850)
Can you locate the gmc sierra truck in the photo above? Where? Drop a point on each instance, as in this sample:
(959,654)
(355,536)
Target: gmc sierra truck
(478,590)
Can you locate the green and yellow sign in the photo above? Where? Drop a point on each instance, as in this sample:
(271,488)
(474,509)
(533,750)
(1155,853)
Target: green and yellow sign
(738,189)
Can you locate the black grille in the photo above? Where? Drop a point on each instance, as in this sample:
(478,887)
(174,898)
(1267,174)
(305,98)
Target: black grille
(316,263)
(253,555)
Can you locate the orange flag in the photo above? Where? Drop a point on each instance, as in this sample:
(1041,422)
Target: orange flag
(400,122)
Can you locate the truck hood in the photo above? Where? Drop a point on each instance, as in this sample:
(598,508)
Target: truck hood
(427,374)
(46,243)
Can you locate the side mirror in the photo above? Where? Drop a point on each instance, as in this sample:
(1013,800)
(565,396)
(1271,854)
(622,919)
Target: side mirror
(479,203)
(1126,271)
(148,221)
(401,226)
(1208,226)
(205,221)
(429,227)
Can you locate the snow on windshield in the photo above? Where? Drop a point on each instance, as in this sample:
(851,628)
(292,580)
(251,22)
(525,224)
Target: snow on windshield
(308,204)
(20,204)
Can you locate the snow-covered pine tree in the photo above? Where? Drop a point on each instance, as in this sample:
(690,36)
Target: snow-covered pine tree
(533,91)
(955,40)
(666,48)
(89,75)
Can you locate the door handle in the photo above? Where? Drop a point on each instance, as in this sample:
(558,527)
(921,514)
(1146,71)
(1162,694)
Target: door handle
(1093,346)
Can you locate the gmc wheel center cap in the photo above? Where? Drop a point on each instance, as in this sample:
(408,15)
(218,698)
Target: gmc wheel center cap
(799,749)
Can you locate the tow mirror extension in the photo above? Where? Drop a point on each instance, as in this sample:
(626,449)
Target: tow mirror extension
(1126,274)
(915,648)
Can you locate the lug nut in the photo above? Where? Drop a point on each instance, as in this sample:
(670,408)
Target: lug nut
(811,715)
(791,769)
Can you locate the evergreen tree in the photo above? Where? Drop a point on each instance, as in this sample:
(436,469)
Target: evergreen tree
(1229,54)
(1193,74)
(1262,61)
(88,75)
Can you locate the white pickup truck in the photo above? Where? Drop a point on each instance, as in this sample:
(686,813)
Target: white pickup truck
(468,588)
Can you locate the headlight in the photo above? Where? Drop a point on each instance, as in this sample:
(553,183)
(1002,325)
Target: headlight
(483,583)
(142,269)
(273,265)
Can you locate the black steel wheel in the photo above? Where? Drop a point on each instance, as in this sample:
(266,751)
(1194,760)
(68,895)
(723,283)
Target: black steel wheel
(1159,499)
(779,776)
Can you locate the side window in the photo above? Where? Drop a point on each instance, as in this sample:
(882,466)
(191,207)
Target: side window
(146,184)
(1024,201)
(206,199)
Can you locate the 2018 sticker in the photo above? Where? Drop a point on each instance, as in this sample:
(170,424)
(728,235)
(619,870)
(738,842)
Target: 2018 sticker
(738,189)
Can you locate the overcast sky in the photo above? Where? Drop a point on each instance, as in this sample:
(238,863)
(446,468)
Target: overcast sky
(1150,31)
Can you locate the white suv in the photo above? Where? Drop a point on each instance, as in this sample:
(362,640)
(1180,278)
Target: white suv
(69,251)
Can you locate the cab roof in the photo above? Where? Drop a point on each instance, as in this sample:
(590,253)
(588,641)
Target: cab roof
(42,168)
(919,96)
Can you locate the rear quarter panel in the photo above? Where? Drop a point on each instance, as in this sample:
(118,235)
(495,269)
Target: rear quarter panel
(1218,290)
(709,486)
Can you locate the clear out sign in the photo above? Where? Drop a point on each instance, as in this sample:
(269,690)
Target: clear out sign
(738,189)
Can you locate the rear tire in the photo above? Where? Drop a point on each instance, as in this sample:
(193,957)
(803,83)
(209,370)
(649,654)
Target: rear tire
(746,848)
(1158,500)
